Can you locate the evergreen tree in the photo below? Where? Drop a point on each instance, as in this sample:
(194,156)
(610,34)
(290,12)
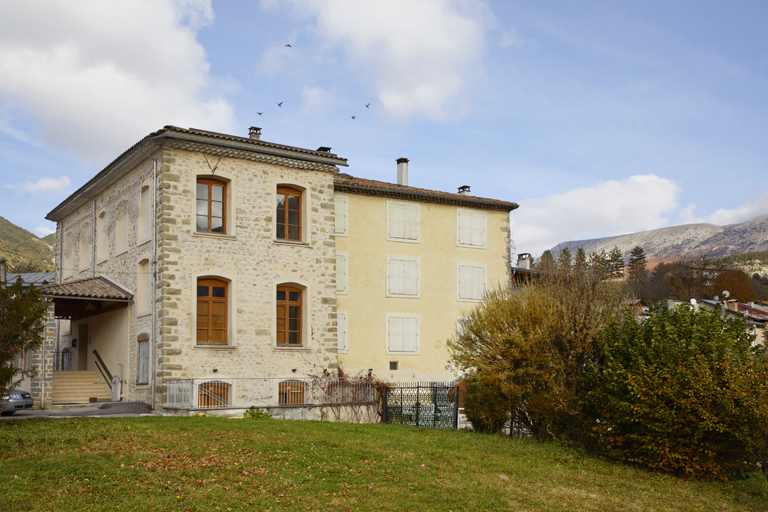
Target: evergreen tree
(547,261)
(580,261)
(616,263)
(564,260)
(637,264)
(598,263)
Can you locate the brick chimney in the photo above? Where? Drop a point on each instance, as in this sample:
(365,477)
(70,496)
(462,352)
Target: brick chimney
(402,171)
(254,133)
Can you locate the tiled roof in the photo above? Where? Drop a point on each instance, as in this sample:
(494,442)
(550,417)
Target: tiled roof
(255,142)
(89,288)
(167,131)
(345,183)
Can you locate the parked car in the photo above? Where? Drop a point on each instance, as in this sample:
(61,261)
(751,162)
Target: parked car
(15,400)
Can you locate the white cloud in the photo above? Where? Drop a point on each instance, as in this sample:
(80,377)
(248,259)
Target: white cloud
(419,55)
(723,217)
(607,208)
(97,75)
(43,231)
(511,37)
(316,100)
(42,185)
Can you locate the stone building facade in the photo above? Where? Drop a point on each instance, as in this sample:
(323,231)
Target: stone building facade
(205,257)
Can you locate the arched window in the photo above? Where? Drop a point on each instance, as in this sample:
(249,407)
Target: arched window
(213,395)
(101,233)
(142,373)
(289,316)
(145,214)
(144,287)
(291,392)
(288,214)
(212,305)
(211,206)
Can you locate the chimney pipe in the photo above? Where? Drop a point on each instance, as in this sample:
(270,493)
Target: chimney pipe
(464,190)
(254,133)
(402,171)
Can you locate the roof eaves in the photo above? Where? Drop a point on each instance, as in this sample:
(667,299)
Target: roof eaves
(443,198)
(199,136)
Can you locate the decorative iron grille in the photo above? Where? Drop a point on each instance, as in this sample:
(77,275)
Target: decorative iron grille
(241,393)
(420,404)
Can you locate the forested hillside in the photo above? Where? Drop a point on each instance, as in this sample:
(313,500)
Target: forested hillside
(24,251)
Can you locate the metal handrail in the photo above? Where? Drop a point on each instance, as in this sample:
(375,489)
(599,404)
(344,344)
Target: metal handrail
(99,365)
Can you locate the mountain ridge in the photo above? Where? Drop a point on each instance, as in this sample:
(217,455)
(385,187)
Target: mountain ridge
(683,241)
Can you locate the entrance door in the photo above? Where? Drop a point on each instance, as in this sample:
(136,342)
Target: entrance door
(82,347)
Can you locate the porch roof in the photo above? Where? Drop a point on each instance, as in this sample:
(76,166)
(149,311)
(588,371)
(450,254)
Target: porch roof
(99,288)
(84,298)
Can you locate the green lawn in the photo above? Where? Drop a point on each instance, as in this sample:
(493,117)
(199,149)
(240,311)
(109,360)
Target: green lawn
(202,463)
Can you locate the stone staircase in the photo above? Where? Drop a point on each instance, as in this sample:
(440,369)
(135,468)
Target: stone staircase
(79,388)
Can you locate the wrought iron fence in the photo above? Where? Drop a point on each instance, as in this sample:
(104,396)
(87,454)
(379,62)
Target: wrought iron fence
(240,393)
(420,404)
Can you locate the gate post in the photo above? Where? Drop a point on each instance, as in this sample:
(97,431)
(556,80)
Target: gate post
(384,414)
(456,406)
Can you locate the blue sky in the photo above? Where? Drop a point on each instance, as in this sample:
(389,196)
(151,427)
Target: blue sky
(598,118)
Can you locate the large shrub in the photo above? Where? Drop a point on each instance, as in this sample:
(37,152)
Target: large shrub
(528,351)
(683,392)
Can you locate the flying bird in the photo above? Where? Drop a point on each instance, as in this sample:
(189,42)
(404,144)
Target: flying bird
(259,113)
(367,105)
(288,46)
(280,104)
(353,117)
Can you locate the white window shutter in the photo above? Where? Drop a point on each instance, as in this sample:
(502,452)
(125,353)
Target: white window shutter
(340,209)
(341,273)
(341,329)
(403,277)
(411,335)
(395,333)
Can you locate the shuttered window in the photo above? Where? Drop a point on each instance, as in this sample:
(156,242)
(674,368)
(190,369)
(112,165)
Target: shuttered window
(470,228)
(340,209)
(402,277)
(289,316)
(402,222)
(403,334)
(341,273)
(341,327)
(471,282)
(143,374)
(212,311)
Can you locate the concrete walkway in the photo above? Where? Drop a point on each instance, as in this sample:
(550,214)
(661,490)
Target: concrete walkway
(103,409)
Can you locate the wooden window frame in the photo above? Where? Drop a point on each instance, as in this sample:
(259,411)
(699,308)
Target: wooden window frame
(282,311)
(288,191)
(209,301)
(212,182)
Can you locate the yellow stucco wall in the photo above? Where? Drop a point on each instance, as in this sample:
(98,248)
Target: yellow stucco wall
(367,305)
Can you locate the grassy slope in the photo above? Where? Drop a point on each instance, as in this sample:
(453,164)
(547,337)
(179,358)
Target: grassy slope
(18,245)
(198,463)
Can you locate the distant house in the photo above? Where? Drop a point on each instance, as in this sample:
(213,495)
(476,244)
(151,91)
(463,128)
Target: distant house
(37,279)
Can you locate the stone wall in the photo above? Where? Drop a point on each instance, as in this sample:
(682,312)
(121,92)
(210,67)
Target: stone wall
(253,263)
